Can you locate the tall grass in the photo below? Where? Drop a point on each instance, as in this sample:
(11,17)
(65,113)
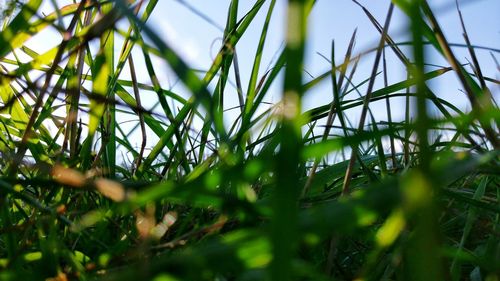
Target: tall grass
(258,198)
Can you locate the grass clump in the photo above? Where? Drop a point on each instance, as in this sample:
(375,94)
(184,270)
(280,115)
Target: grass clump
(256,197)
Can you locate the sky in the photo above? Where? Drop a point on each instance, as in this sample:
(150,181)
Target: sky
(197,39)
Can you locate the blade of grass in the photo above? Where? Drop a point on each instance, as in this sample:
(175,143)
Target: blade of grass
(284,225)
(422,265)
(347,179)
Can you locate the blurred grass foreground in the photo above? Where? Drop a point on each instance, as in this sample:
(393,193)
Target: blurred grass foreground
(106,174)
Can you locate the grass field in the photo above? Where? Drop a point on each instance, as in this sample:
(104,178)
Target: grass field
(277,193)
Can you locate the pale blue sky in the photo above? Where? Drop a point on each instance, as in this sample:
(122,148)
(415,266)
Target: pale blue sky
(330,20)
(197,41)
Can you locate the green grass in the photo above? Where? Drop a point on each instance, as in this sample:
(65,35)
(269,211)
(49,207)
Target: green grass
(277,193)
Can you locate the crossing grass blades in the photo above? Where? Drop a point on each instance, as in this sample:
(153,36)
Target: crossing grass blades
(278,193)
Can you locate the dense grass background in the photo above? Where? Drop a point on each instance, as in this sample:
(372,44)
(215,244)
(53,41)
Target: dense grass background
(277,193)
